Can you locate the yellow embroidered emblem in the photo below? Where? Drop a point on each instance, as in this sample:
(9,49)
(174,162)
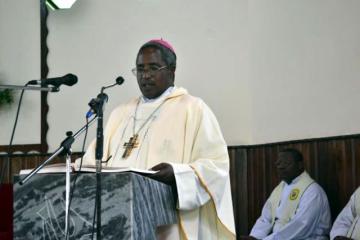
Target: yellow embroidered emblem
(294,194)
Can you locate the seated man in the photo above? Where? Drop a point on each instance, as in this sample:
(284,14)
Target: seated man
(297,208)
(347,224)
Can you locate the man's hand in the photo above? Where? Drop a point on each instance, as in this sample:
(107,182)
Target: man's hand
(165,173)
(247,238)
(342,238)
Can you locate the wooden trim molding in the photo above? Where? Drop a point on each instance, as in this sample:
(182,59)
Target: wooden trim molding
(333,162)
(44,73)
(339,137)
(24,148)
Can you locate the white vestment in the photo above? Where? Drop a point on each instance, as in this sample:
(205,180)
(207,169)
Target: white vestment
(312,219)
(347,222)
(184,133)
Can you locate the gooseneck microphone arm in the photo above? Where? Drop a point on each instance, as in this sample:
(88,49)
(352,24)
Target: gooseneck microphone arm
(119,80)
(101,98)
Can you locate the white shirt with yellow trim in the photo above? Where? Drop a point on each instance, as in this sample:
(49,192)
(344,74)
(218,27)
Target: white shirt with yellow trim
(312,220)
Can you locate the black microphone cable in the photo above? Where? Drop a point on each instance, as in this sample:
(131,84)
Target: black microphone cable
(7,159)
(78,172)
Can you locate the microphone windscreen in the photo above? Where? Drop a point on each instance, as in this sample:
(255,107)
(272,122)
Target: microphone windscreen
(70,79)
(120,80)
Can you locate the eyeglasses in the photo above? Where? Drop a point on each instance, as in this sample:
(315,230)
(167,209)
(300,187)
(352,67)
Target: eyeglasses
(152,70)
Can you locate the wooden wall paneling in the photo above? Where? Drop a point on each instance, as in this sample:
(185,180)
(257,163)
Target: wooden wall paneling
(342,157)
(253,187)
(4,170)
(356,162)
(329,156)
(273,179)
(238,178)
(343,173)
(333,162)
(28,161)
(266,162)
(257,183)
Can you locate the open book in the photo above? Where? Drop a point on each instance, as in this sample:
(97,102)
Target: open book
(61,168)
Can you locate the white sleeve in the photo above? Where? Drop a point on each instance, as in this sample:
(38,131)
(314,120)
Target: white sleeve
(209,160)
(192,194)
(312,207)
(263,225)
(344,220)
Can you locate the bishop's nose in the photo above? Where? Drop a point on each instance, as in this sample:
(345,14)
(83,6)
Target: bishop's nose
(146,75)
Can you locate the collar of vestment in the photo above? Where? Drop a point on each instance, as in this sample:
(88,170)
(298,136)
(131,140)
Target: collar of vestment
(171,92)
(296,188)
(295,180)
(166,93)
(156,104)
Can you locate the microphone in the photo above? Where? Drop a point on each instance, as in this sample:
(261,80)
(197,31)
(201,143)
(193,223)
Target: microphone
(102,97)
(68,80)
(119,80)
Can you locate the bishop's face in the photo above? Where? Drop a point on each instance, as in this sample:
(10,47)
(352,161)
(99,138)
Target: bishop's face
(153,76)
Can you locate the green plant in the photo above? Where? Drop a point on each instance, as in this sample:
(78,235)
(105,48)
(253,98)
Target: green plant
(6,97)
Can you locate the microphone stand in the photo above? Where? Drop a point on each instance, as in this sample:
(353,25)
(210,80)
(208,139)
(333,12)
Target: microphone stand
(68,141)
(65,147)
(66,144)
(17,87)
(97,105)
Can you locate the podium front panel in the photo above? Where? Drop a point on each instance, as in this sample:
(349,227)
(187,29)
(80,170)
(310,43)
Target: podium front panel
(132,207)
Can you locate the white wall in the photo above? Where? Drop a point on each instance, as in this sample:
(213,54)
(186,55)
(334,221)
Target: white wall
(304,68)
(270,70)
(19,63)
(99,40)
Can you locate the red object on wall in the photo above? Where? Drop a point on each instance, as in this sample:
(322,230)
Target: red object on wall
(6,212)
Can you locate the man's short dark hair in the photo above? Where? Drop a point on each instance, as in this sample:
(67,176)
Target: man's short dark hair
(168,56)
(295,154)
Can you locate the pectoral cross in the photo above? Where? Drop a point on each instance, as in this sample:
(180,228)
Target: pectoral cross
(130,145)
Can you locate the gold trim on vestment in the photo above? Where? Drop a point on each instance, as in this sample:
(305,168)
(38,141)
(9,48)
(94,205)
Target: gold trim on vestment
(181,226)
(202,182)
